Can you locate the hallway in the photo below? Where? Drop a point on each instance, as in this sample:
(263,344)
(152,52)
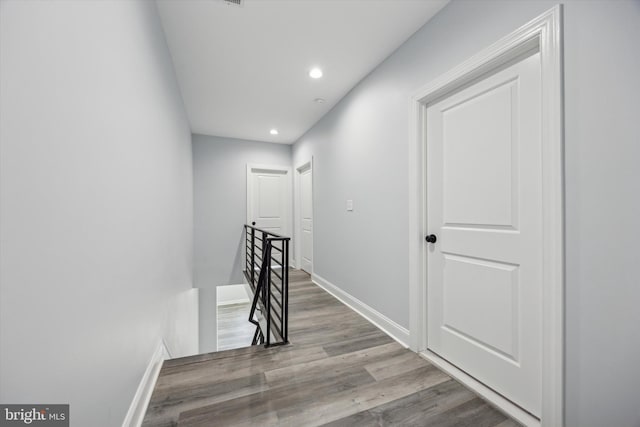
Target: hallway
(339,370)
(445,167)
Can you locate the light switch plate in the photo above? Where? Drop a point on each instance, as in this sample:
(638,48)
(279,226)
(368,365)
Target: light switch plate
(349,205)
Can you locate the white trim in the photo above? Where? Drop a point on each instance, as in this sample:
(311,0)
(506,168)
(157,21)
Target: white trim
(248,290)
(140,402)
(544,34)
(274,266)
(296,202)
(220,301)
(496,399)
(289,208)
(234,301)
(378,319)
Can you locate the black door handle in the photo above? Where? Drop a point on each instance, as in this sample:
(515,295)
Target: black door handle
(431,238)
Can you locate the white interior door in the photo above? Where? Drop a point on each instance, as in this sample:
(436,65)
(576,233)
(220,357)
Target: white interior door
(484,204)
(306,217)
(269,198)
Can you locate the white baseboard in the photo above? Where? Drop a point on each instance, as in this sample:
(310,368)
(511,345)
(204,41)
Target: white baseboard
(496,399)
(141,399)
(234,301)
(274,266)
(383,323)
(231,294)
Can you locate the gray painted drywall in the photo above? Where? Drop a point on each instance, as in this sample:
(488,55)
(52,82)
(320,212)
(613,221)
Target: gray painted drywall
(220,211)
(96,203)
(360,151)
(208,320)
(219,185)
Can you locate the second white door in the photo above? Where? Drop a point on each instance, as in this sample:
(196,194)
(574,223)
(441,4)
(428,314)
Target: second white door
(306,217)
(484,205)
(269,198)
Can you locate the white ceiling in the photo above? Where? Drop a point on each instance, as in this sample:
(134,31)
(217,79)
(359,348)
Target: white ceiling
(244,70)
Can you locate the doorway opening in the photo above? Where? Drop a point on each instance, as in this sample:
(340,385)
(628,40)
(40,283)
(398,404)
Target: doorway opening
(443,267)
(304,217)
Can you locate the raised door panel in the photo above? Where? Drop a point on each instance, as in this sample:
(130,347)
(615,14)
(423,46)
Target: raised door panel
(479,161)
(491,321)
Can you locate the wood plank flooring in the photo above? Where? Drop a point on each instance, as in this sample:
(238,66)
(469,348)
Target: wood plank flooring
(234,331)
(339,370)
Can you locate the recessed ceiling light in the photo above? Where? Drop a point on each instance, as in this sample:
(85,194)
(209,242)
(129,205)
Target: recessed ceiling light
(319,100)
(273,131)
(315,73)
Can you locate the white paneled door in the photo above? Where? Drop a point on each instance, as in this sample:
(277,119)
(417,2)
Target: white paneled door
(484,208)
(269,198)
(306,217)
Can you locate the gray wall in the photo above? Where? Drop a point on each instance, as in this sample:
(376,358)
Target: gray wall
(360,151)
(220,203)
(96,203)
(219,182)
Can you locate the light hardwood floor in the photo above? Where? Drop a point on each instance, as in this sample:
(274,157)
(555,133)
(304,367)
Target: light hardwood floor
(339,370)
(234,330)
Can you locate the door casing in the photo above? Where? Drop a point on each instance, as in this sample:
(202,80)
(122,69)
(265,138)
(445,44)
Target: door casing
(543,34)
(297,206)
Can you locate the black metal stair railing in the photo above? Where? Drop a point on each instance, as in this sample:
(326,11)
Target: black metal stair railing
(266,254)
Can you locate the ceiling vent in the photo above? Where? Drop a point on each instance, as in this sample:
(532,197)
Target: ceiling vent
(236,3)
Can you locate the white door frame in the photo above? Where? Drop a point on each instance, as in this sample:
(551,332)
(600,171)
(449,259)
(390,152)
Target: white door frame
(272,168)
(543,34)
(297,203)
